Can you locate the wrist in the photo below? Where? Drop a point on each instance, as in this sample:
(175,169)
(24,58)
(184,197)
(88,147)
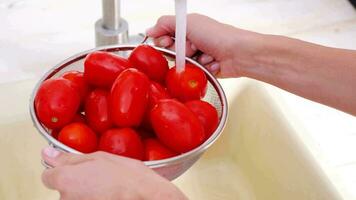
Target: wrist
(248,50)
(271,56)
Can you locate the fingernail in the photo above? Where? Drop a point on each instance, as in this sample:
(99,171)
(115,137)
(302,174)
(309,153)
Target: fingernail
(163,42)
(193,47)
(215,67)
(51,152)
(206,59)
(149,31)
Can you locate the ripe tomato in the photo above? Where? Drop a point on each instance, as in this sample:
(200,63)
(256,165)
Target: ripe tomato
(176,126)
(102,68)
(79,118)
(189,84)
(78,81)
(154,150)
(56,102)
(129,98)
(54,133)
(150,61)
(207,115)
(78,136)
(97,110)
(124,142)
(155,93)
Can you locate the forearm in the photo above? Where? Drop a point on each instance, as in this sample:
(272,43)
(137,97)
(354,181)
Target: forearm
(160,189)
(325,75)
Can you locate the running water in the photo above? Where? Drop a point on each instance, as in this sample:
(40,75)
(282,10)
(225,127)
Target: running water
(181,31)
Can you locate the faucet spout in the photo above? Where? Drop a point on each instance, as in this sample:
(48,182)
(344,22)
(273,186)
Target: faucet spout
(111,29)
(111,14)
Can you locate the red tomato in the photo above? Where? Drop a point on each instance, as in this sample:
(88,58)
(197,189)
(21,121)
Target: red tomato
(102,68)
(124,142)
(129,98)
(54,133)
(78,81)
(79,118)
(150,61)
(155,93)
(97,110)
(176,126)
(78,136)
(187,85)
(206,113)
(56,102)
(154,150)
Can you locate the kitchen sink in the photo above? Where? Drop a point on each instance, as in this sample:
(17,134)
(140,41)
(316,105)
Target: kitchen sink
(258,156)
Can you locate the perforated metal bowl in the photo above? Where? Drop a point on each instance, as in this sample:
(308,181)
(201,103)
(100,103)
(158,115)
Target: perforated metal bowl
(170,168)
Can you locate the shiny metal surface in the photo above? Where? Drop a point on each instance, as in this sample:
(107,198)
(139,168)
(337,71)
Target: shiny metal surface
(170,168)
(111,14)
(104,37)
(111,29)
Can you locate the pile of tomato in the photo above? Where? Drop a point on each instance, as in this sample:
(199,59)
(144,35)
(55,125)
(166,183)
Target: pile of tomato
(136,107)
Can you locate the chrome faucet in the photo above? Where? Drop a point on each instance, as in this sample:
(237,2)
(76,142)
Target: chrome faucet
(111,28)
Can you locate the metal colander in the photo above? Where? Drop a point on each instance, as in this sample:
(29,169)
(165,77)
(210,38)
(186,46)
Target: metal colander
(170,168)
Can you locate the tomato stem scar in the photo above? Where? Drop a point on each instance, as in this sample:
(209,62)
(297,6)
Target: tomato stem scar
(54,119)
(193,83)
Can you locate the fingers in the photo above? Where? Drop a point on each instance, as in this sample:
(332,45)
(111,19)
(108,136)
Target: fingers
(57,158)
(162,32)
(165,26)
(163,41)
(167,42)
(205,59)
(209,63)
(55,178)
(213,67)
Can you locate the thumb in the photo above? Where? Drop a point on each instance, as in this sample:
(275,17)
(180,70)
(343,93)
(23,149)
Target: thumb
(54,157)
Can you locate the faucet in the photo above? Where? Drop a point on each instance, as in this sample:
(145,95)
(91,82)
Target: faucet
(112,28)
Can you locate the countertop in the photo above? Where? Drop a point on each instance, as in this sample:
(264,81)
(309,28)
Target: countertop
(36,34)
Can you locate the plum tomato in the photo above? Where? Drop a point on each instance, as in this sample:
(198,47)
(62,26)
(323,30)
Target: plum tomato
(102,68)
(156,92)
(55,132)
(150,61)
(123,142)
(190,84)
(154,150)
(56,102)
(78,136)
(129,98)
(176,126)
(78,81)
(97,110)
(206,113)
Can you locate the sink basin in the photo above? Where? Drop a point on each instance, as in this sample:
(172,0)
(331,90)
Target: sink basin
(258,156)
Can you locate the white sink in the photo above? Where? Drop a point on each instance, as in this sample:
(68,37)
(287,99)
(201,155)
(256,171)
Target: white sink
(258,156)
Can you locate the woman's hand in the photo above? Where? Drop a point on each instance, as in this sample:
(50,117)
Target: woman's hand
(217,41)
(322,74)
(103,176)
